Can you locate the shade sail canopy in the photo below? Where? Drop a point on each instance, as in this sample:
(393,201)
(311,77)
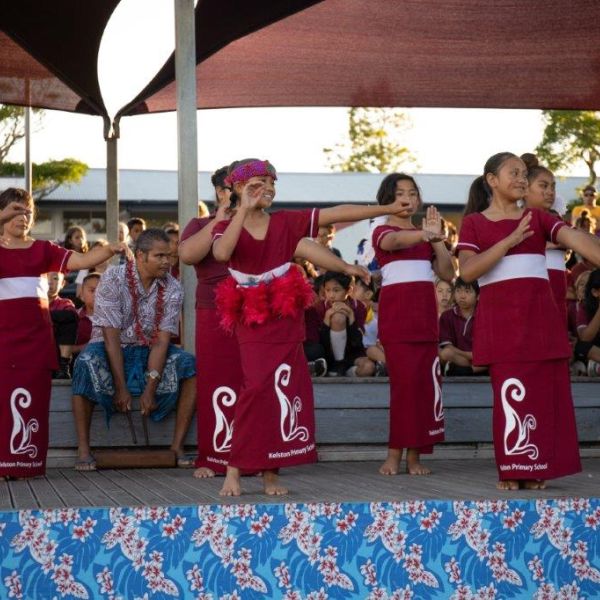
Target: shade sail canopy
(49,53)
(49,50)
(451,53)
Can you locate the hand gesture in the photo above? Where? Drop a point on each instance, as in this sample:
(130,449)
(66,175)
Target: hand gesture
(252,194)
(358,271)
(522,232)
(12,210)
(122,401)
(432,226)
(121,248)
(401,207)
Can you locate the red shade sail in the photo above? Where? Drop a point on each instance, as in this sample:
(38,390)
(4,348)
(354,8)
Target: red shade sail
(450,53)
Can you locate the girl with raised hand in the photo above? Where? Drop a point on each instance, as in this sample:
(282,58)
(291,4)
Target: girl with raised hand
(518,328)
(27,344)
(410,257)
(264,301)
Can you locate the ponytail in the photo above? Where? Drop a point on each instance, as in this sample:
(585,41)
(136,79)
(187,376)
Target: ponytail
(479,196)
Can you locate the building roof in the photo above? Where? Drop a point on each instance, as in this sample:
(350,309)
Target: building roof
(145,186)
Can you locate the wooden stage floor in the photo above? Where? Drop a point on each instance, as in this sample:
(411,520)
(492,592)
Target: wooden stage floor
(322,482)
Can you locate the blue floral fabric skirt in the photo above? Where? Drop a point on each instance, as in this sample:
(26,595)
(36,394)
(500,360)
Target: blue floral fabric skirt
(92,377)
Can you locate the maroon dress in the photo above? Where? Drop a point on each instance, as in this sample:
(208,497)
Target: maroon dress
(557,275)
(265,302)
(28,356)
(519,333)
(408,330)
(218,365)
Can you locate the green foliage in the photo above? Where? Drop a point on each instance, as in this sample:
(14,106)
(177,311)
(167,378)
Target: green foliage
(49,175)
(570,136)
(373,143)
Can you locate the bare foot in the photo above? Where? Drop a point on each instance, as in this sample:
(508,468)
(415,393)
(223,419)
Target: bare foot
(203,473)
(413,466)
(272,487)
(231,485)
(391,466)
(508,485)
(532,484)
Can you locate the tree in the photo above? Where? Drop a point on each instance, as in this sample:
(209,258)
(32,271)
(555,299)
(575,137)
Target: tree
(46,176)
(373,143)
(570,136)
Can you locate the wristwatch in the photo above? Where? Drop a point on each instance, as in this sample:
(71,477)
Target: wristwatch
(153,374)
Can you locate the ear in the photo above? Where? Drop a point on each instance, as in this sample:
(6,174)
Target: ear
(491,179)
(596,293)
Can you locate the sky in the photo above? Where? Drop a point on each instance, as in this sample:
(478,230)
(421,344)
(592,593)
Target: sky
(455,141)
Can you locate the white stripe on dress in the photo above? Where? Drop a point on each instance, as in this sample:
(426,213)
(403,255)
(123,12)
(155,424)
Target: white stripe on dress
(555,260)
(407,271)
(24,287)
(248,280)
(516,266)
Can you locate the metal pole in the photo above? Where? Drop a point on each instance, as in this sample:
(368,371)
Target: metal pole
(28,170)
(187,146)
(111,135)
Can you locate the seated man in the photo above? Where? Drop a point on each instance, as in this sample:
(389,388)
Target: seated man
(456,331)
(136,311)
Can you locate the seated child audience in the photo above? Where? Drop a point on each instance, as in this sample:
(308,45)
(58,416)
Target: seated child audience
(367,294)
(342,327)
(313,349)
(588,326)
(443,295)
(64,321)
(84,327)
(456,331)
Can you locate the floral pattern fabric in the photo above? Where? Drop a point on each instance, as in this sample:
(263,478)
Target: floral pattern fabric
(545,549)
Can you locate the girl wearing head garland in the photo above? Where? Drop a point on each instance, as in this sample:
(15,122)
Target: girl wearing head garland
(217,350)
(27,346)
(518,329)
(408,323)
(264,302)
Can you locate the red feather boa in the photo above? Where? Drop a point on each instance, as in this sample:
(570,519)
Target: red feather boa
(285,296)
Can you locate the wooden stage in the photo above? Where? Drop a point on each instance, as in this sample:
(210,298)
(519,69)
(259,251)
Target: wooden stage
(355,481)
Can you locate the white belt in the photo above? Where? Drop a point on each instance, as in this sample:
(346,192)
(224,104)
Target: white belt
(517,266)
(23,287)
(406,271)
(248,280)
(555,259)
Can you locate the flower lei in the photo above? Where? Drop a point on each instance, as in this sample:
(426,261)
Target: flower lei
(160,307)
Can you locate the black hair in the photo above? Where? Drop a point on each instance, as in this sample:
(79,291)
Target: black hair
(590,302)
(318,283)
(461,283)
(344,280)
(480,192)
(386,194)
(90,276)
(147,238)
(135,221)
(534,169)
(218,177)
